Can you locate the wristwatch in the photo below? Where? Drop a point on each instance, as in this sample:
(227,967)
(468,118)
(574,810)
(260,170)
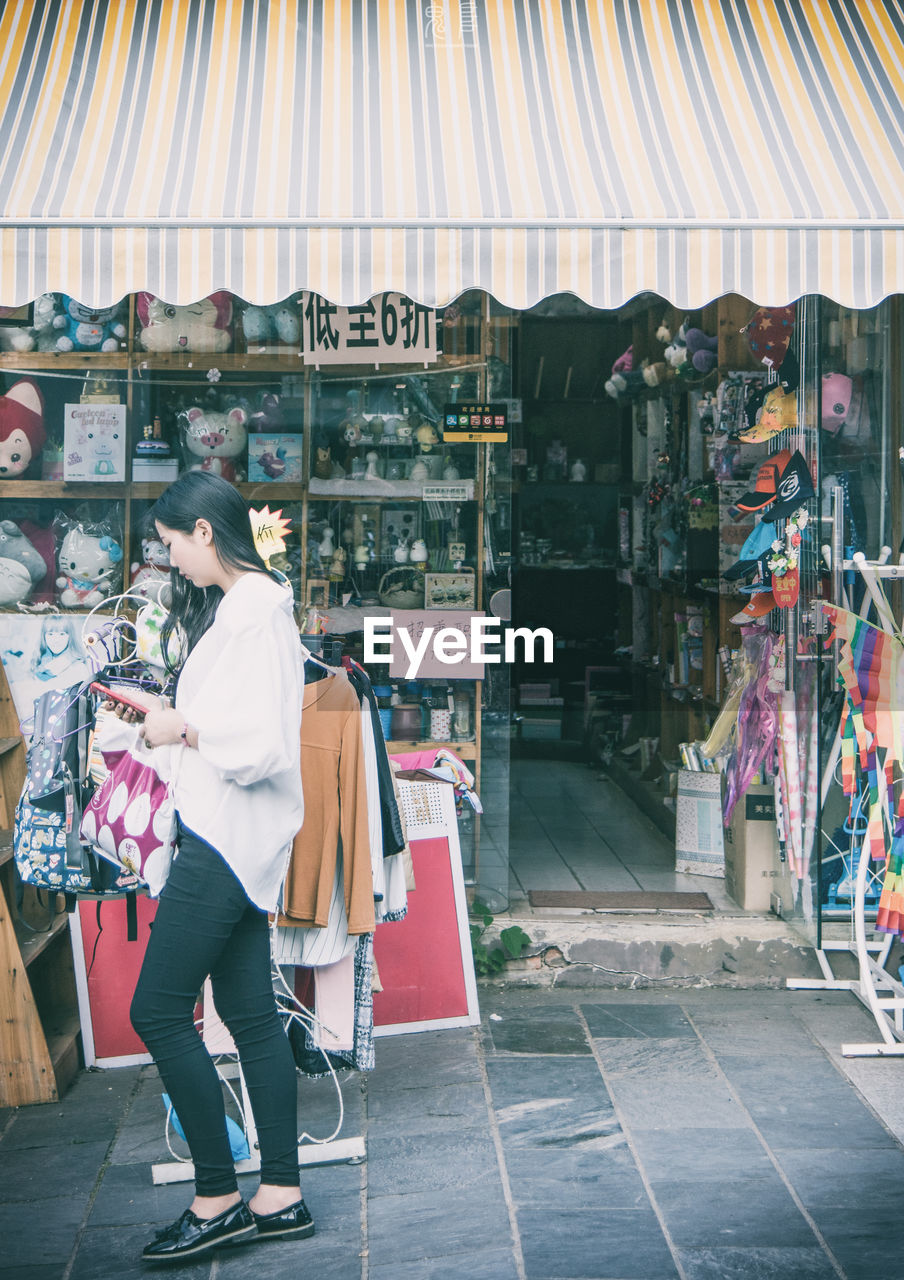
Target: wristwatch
(184,734)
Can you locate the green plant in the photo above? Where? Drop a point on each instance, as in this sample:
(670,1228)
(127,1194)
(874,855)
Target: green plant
(491,958)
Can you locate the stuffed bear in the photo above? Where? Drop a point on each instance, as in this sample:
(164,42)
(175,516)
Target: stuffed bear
(87,328)
(280,323)
(216,439)
(87,568)
(152,575)
(201,326)
(40,335)
(22,432)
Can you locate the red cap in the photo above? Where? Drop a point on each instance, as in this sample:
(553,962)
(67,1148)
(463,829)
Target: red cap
(766,487)
(758,605)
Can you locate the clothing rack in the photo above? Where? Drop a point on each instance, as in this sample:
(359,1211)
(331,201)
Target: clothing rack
(874,986)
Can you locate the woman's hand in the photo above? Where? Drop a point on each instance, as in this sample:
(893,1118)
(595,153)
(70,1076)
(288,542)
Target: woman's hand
(162,727)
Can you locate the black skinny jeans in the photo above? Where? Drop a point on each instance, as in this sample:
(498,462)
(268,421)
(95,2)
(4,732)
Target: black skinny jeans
(206,925)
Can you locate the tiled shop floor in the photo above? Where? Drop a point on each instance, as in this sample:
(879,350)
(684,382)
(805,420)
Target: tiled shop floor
(623,1135)
(572,827)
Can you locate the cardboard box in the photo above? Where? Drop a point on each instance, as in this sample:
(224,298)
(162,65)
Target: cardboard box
(274,458)
(753,868)
(160,470)
(94,442)
(699,846)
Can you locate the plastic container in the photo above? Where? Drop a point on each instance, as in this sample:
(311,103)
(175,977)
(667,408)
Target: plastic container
(406,721)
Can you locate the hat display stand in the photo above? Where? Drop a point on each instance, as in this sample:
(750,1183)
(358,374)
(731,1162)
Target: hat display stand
(879,990)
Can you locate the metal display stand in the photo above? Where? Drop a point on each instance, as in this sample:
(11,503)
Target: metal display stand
(874,986)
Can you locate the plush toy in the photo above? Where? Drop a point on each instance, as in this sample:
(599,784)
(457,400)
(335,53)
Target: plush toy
(280,323)
(427,437)
(87,568)
(201,326)
(702,349)
(267,418)
(626,381)
(152,575)
(22,433)
(216,439)
(40,335)
(655,375)
(15,547)
(676,352)
(88,329)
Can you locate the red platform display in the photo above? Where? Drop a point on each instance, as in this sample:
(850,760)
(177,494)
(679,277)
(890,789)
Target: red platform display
(106,969)
(424,962)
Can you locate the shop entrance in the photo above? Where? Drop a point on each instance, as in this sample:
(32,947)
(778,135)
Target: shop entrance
(630,506)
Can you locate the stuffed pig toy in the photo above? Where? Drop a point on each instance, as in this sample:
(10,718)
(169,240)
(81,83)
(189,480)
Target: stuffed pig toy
(88,565)
(201,326)
(216,440)
(88,329)
(22,433)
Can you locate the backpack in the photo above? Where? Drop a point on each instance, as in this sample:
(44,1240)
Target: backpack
(47,849)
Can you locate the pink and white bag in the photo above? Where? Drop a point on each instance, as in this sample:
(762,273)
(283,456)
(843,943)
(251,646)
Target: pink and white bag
(131,818)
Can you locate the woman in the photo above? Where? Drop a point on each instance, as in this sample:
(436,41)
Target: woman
(58,658)
(236,719)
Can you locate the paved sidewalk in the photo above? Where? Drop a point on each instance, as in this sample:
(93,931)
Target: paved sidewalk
(623,1135)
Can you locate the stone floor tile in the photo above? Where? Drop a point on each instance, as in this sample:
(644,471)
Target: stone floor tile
(400,1165)
(733,1214)
(428,1225)
(106,1253)
(487,1264)
(40,1232)
(639,1022)
(445,1109)
(837,1177)
(757,1264)
(701,1155)
(548,1030)
(581,1177)
(676,1102)
(45,1172)
(591,1244)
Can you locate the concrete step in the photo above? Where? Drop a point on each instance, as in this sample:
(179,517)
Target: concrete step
(580,949)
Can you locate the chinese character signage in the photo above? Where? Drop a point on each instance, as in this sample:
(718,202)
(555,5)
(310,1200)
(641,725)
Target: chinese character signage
(390,329)
(466,423)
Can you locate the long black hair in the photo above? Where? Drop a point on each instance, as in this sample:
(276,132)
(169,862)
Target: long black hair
(199,495)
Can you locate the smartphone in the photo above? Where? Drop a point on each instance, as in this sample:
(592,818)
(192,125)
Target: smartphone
(125,699)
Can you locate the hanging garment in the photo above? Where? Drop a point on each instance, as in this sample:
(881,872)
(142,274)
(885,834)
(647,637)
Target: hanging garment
(393,833)
(316,947)
(334,1004)
(333,782)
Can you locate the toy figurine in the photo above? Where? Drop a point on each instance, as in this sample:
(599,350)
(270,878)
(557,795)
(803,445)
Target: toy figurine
(88,564)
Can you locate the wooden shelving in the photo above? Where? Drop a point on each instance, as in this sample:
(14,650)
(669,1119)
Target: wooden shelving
(39,1027)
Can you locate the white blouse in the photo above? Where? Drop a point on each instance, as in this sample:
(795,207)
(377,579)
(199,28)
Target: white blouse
(241,688)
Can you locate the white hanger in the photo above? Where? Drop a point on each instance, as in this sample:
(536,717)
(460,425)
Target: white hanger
(318,662)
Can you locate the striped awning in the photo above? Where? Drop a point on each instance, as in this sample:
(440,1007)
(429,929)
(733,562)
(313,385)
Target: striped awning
(525,147)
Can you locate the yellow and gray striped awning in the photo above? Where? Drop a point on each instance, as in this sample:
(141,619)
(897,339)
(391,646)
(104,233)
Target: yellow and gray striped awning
(525,147)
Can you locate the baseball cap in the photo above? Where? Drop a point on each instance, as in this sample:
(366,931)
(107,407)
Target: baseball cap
(795,485)
(756,607)
(766,488)
(756,546)
(837,391)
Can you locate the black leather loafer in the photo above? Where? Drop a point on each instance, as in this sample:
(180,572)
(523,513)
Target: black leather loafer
(294,1222)
(191,1235)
